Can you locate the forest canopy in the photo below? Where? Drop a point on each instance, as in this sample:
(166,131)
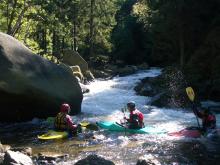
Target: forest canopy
(183,33)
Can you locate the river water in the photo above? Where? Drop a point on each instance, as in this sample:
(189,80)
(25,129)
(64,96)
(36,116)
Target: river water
(104,102)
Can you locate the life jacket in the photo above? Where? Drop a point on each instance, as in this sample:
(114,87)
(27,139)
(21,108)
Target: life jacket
(136,119)
(60,121)
(209,121)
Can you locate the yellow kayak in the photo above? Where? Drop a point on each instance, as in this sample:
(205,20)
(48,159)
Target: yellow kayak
(51,134)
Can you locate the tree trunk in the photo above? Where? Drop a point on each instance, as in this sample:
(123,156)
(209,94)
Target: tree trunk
(12,16)
(45,40)
(18,23)
(74,28)
(182,48)
(27,32)
(12,30)
(91,24)
(180,21)
(54,42)
(7,13)
(63,44)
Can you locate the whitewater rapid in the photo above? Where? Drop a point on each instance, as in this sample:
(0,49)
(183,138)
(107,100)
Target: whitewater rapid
(107,97)
(104,102)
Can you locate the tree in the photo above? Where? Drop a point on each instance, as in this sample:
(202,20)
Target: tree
(130,39)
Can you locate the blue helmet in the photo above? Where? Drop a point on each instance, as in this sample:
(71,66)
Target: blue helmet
(131,104)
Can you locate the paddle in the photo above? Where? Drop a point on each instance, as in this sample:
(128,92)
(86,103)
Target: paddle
(191,94)
(123,110)
(85,124)
(90,126)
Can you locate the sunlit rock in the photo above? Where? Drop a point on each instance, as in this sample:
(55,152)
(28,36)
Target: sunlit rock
(78,65)
(148,160)
(24,150)
(17,158)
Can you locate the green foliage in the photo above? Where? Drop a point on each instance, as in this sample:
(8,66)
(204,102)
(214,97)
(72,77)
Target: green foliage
(131,41)
(157,32)
(46,27)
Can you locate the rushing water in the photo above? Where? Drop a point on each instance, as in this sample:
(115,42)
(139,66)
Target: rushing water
(104,102)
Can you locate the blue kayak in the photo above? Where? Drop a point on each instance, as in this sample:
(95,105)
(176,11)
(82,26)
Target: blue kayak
(116,127)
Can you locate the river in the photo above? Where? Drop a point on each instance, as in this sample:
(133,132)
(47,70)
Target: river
(104,102)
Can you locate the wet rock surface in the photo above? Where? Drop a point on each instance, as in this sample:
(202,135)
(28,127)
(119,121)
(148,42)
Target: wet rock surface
(50,158)
(166,90)
(94,160)
(16,158)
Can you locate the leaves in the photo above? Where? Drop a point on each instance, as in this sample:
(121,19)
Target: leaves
(47,26)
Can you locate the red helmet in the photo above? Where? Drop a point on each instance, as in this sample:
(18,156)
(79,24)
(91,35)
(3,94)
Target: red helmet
(65,108)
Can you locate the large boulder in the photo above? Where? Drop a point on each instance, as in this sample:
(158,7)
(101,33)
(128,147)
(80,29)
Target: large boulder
(78,65)
(31,86)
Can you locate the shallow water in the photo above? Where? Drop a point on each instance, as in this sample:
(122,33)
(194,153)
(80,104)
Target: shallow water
(104,102)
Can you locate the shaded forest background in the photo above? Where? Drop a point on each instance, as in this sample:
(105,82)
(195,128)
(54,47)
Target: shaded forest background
(180,33)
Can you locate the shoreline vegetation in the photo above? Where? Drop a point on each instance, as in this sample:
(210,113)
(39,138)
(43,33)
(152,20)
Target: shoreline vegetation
(49,50)
(124,32)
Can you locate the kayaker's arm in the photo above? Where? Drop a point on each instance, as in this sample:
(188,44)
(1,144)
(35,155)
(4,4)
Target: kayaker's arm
(127,119)
(70,122)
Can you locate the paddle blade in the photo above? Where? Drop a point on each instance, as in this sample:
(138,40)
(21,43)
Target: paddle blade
(84,123)
(90,126)
(190,93)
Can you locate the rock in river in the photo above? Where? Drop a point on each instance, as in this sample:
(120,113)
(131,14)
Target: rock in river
(31,86)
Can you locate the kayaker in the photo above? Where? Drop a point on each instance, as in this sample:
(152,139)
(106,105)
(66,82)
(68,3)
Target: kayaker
(63,121)
(208,119)
(136,118)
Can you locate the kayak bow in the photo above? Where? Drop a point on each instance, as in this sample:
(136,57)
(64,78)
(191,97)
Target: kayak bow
(116,127)
(51,134)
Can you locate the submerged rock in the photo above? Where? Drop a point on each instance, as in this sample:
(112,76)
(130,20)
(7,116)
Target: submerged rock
(94,160)
(31,86)
(84,88)
(49,158)
(127,70)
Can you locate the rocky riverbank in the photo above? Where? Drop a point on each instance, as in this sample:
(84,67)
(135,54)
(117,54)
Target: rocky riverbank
(166,90)
(169,90)
(24,156)
(110,70)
